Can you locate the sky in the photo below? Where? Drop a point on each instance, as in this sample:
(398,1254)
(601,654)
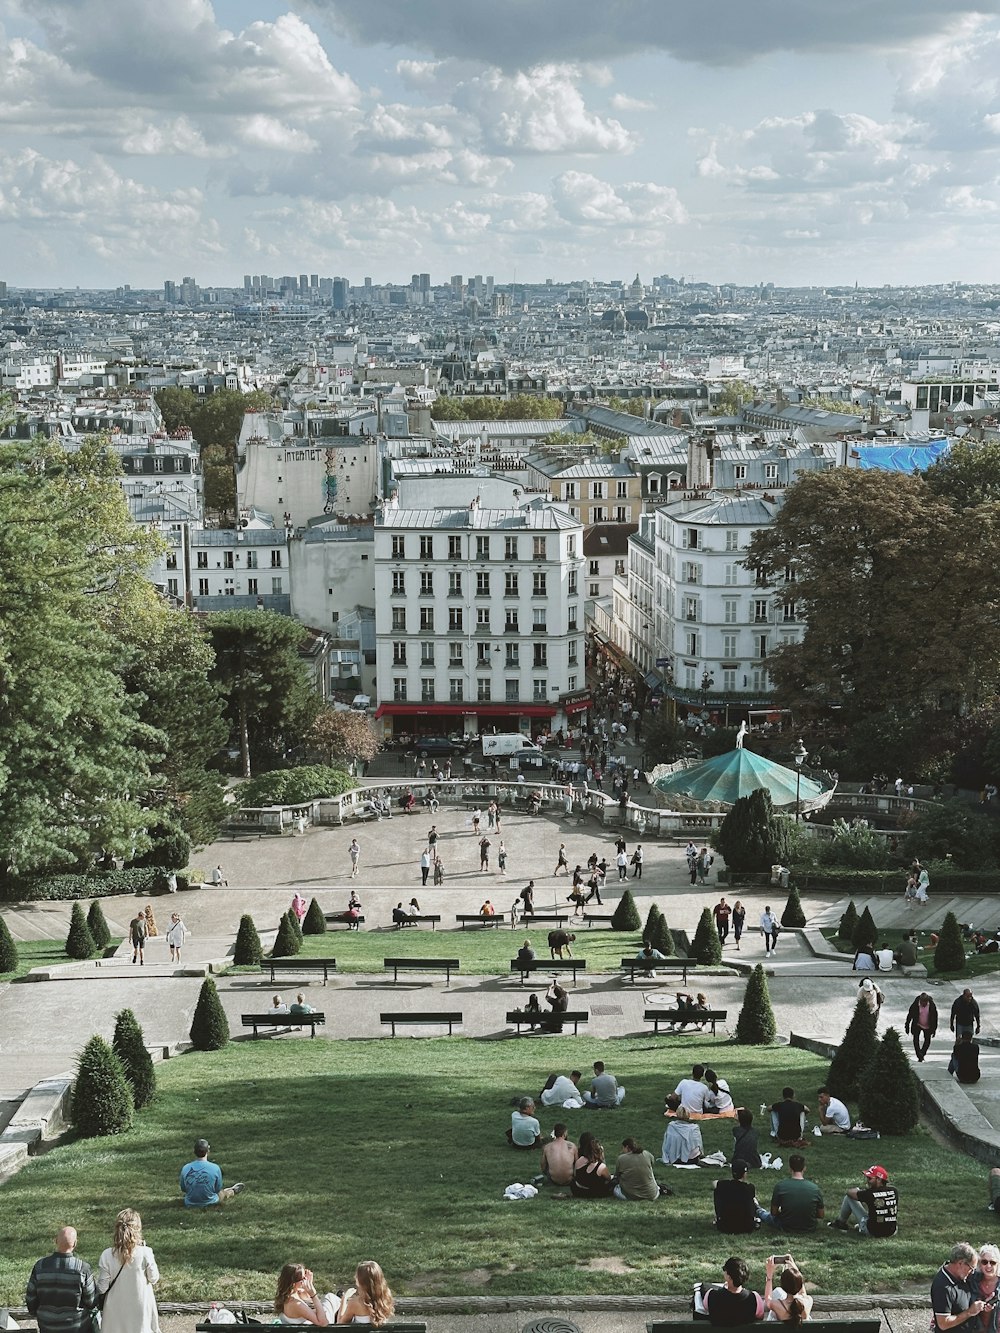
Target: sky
(787,141)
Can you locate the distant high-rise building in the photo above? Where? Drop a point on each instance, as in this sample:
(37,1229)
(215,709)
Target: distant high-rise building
(170,292)
(314,280)
(457,286)
(3,291)
(255,282)
(340,293)
(265,283)
(247,282)
(489,287)
(425,282)
(303,282)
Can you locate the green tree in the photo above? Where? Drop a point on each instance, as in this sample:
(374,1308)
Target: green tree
(296,925)
(129,1045)
(755,1025)
(287,941)
(79,941)
(663,740)
(793,914)
(706,947)
(170,846)
(209,1026)
(953,830)
(315,922)
(343,737)
(854,1054)
(269,701)
(889,1098)
(730,401)
(8,949)
(848,922)
(968,475)
(661,937)
(518,407)
(248,950)
(98,926)
(295,786)
(102,1099)
(949,955)
(626,914)
(865,932)
(752,837)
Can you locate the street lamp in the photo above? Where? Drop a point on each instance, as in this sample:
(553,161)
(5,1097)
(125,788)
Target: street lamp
(799,755)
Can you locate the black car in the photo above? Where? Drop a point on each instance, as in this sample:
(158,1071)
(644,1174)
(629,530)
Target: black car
(428,745)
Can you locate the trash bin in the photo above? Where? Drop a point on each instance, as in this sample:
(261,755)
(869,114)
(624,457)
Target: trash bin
(775,872)
(783,877)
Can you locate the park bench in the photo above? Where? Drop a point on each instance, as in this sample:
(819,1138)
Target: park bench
(573,965)
(432,917)
(342,919)
(519,1017)
(445,965)
(599,919)
(360,814)
(554,918)
(273,1020)
(423,1019)
(275,965)
(658,1016)
(827,1325)
(475,919)
(634,965)
(396,1325)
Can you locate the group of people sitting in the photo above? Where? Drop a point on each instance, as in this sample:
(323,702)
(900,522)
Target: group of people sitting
(405,916)
(797,1204)
(584,1168)
(369,1301)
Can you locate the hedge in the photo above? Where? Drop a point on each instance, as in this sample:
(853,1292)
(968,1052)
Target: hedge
(98,884)
(893,881)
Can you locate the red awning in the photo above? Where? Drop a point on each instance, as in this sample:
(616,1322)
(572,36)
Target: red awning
(465,710)
(577,706)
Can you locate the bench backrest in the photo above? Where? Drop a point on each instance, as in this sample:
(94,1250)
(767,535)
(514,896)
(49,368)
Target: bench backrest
(828,1325)
(422,962)
(285,1020)
(693,1014)
(660,963)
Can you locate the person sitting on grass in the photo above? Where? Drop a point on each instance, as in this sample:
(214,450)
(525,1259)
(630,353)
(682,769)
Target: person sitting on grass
(296,1301)
(736,1205)
(745,1139)
(525,1131)
(201,1180)
(874,1206)
(559,1157)
(591,1177)
(634,1178)
(605,1091)
(834,1117)
(369,1301)
(682,1142)
(796,1203)
(788,1120)
(560,1088)
(718,1099)
(300,1007)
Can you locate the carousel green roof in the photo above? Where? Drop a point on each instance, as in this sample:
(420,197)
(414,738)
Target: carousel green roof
(726,777)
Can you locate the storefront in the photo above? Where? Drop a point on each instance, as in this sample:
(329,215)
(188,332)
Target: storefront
(464,719)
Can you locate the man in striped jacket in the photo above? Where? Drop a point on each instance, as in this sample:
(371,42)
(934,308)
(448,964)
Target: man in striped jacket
(61,1294)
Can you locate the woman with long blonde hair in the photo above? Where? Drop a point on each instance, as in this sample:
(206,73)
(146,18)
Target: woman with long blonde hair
(296,1300)
(369,1301)
(127,1273)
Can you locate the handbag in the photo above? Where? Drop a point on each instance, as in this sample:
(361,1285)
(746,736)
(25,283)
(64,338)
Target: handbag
(102,1296)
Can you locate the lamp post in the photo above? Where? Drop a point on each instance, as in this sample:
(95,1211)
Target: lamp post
(798,754)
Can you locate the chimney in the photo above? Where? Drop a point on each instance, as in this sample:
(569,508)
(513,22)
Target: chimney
(700,460)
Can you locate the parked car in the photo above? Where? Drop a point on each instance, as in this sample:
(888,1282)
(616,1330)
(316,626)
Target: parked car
(430,745)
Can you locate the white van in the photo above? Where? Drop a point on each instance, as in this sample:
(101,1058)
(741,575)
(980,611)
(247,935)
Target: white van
(509,745)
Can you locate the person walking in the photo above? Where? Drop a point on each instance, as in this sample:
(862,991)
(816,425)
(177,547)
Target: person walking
(61,1295)
(176,934)
(622,862)
(354,851)
(739,917)
(528,898)
(704,864)
(137,936)
(126,1275)
(561,862)
(637,858)
(502,859)
(432,840)
(769,929)
(965,1015)
(722,912)
(484,852)
(425,865)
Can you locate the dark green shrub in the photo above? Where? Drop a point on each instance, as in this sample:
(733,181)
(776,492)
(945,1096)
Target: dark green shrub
(8,949)
(706,947)
(651,918)
(287,942)
(130,1047)
(296,926)
(79,941)
(949,956)
(855,1052)
(102,1099)
(62,888)
(248,950)
(170,849)
(752,837)
(98,926)
(857,846)
(848,922)
(294,786)
(952,829)
(209,1027)
(793,914)
(626,914)
(865,932)
(755,1025)
(660,938)
(315,921)
(889,1098)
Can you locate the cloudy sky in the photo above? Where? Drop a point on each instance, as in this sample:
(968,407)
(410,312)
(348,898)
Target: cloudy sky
(793,141)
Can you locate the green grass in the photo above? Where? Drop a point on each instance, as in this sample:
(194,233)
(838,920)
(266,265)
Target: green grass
(395,1150)
(40,953)
(979,964)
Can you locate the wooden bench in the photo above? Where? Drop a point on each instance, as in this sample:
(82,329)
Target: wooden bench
(573,965)
(445,965)
(273,1020)
(342,919)
(828,1325)
(519,1017)
(397,1325)
(600,919)
(425,1019)
(432,917)
(275,965)
(475,919)
(640,965)
(556,918)
(658,1016)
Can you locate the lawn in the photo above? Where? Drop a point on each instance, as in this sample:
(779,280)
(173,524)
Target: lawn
(978,965)
(41,953)
(395,1150)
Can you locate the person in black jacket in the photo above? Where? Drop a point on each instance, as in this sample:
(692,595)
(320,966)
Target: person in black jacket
(965,1014)
(922,1022)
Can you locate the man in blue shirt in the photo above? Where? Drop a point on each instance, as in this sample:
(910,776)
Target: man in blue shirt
(201,1180)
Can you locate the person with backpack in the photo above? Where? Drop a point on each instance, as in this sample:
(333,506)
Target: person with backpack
(137,936)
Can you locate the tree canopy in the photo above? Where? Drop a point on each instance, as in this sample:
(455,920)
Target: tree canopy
(518,407)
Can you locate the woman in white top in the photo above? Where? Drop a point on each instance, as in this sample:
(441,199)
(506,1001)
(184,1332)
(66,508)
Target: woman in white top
(127,1272)
(176,934)
(369,1301)
(787,1303)
(296,1301)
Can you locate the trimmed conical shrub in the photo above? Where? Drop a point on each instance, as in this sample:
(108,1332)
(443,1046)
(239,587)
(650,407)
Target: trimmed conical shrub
(296,925)
(130,1047)
(649,929)
(706,946)
(848,922)
(660,936)
(98,926)
(793,914)
(855,1052)
(626,914)
(248,950)
(209,1027)
(752,837)
(8,949)
(755,1025)
(889,1099)
(949,955)
(286,942)
(865,932)
(102,1099)
(315,922)
(79,941)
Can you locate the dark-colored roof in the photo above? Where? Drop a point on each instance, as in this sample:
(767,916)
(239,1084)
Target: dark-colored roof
(607,538)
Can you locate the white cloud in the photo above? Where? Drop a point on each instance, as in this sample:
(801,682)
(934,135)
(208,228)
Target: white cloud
(621,102)
(174,137)
(585,200)
(271,134)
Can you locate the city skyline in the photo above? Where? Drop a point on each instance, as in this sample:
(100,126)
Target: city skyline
(797,143)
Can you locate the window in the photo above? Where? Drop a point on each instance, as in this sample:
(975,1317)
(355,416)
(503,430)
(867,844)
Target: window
(760,610)
(789,611)
(483,653)
(569,490)
(456,689)
(770,472)
(510,548)
(729,679)
(513,658)
(571,684)
(157,464)
(484,690)
(653,483)
(172,560)
(203,587)
(454,584)
(729,642)
(571,547)
(427,618)
(454,548)
(426,548)
(399,548)
(427,689)
(571,614)
(758,680)
(740,472)
(791,575)
(538,620)
(732,541)
(541,655)
(595,569)
(689,538)
(276,586)
(275,559)
(598,490)
(732,576)
(482,585)
(538,548)
(690,572)
(538,585)
(251,559)
(454,654)
(426,654)
(399,619)
(483,617)
(621,513)
(691,608)
(622,490)
(426,583)
(202,559)
(511,691)
(571,651)
(689,677)
(691,645)
(761,642)
(730,611)
(172,587)
(595,590)
(228,560)
(510,622)
(540,691)
(399,688)
(454,617)
(598,514)
(482,548)
(571,585)
(398,583)
(510,585)
(399,653)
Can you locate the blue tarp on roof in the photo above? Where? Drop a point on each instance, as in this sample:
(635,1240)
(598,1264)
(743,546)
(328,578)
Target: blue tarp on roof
(906,458)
